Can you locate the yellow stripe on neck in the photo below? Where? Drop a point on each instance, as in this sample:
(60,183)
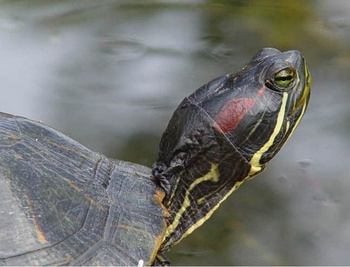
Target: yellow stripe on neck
(210,212)
(255,160)
(212,175)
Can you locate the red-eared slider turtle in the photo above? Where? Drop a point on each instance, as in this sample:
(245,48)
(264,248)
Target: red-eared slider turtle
(62,203)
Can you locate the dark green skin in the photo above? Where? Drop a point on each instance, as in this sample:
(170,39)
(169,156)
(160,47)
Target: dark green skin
(90,210)
(220,127)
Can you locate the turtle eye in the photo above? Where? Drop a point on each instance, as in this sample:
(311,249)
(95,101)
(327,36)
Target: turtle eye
(284,78)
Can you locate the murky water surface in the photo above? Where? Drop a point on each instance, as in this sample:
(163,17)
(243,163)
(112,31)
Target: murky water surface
(110,73)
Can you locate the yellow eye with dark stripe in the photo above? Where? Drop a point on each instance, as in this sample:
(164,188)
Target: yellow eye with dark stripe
(285,78)
(282,79)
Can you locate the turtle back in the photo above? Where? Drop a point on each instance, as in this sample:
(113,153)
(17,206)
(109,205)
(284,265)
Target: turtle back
(62,203)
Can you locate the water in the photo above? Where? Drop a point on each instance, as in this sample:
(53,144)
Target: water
(110,73)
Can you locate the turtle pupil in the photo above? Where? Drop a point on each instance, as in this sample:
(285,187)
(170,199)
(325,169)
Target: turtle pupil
(284,78)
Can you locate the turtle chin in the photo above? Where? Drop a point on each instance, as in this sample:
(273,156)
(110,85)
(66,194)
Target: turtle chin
(301,102)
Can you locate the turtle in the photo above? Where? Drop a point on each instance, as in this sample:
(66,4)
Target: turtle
(64,204)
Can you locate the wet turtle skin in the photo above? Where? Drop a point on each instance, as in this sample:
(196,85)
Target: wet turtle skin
(62,203)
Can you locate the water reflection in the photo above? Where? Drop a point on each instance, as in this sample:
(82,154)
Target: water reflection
(110,73)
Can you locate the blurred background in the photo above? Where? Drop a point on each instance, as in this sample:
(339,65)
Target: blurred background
(109,74)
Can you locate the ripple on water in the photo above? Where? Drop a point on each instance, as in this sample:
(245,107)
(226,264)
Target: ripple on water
(123,49)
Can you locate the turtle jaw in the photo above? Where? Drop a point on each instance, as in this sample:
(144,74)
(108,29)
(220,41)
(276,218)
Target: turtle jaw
(300,95)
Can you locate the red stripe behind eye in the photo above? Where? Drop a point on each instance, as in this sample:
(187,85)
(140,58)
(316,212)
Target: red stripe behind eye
(233,112)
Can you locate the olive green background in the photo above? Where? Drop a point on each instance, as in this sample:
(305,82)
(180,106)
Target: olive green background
(110,73)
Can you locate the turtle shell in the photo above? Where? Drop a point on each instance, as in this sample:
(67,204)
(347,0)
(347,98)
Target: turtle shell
(62,203)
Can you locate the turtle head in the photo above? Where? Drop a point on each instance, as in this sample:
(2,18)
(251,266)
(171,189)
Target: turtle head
(263,104)
(226,132)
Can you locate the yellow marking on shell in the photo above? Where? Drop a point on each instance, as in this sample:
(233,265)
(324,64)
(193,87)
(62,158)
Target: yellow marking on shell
(207,216)
(39,234)
(74,186)
(212,175)
(158,197)
(255,160)
(133,229)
